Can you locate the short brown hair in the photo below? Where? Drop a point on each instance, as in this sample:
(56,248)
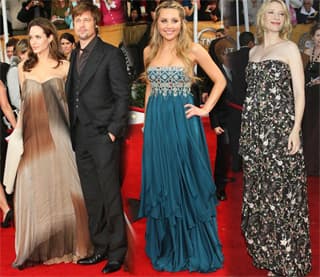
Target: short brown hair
(87,7)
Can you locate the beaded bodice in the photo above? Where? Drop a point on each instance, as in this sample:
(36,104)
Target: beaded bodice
(169,81)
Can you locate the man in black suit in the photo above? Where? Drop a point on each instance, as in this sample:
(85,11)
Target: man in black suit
(218,116)
(238,62)
(98,94)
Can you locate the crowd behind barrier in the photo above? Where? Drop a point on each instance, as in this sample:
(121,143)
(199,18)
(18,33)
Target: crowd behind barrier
(130,34)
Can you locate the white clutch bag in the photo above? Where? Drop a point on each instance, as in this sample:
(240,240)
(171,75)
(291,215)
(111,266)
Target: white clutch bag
(14,152)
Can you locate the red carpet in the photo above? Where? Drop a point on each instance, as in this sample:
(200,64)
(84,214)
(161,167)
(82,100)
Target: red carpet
(237,261)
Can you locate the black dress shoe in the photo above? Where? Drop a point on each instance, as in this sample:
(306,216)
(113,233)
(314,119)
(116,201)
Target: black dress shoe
(7,220)
(229,180)
(111,266)
(221,195)
(94,259)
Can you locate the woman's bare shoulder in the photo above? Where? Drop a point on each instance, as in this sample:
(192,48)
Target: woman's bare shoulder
(146,50)
(64,63)
(290,49)
(64,66)
(290,44)
(197,52)
(253,52)
(196,47)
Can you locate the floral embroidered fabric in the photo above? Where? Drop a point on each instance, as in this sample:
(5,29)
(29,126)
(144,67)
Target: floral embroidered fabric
(275,206)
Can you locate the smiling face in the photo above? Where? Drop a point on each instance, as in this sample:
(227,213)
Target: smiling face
(66,46)
(169,24)
(38,40)
(274,17)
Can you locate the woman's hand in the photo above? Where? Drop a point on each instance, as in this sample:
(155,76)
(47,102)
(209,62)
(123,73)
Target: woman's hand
(315,81)
(294,142)
(192,110)
(219,130)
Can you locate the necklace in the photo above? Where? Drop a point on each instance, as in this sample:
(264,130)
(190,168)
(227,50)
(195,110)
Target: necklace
(313,59)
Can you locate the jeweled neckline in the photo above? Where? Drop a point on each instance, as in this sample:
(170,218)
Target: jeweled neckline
(269,60)
(167,66)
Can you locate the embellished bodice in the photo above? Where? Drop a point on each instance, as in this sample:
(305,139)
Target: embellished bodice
(269,104)
(269,84)
(169,81)
(268,74)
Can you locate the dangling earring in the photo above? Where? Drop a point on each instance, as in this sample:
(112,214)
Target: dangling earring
(50,46)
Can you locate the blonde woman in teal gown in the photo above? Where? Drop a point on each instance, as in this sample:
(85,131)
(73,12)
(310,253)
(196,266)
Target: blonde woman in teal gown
(178,193)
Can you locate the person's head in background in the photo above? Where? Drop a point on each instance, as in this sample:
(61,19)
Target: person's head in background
(220,33)
(22,48)
(212,5)
(60,3)
(11,47)
(134,15)
(307,4)
(246,39)
(67,44)
(315,34)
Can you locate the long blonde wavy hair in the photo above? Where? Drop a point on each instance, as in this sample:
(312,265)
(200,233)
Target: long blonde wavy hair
(286,28)
(184,41)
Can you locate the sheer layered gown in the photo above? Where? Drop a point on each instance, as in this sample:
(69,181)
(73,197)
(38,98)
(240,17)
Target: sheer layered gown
(50,214)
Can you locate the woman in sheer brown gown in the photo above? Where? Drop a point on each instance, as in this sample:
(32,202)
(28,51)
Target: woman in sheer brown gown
(50,214)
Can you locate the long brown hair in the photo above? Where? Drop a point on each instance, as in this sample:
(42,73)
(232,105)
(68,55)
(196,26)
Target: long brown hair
(184,42)
(49,29)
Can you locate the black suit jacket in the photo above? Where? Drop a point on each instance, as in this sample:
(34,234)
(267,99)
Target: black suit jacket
(239,61)
(218,115)
(103,90)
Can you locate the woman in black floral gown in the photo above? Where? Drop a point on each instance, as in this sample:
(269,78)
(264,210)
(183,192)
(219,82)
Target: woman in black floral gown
(311,118)
(275,205)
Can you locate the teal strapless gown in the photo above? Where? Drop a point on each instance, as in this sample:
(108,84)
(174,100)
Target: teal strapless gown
(178,192)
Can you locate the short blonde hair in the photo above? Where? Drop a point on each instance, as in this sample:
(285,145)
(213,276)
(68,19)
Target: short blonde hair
(286,28)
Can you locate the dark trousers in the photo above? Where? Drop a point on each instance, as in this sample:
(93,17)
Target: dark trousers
(98,161)
(222,160)
(234,124)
